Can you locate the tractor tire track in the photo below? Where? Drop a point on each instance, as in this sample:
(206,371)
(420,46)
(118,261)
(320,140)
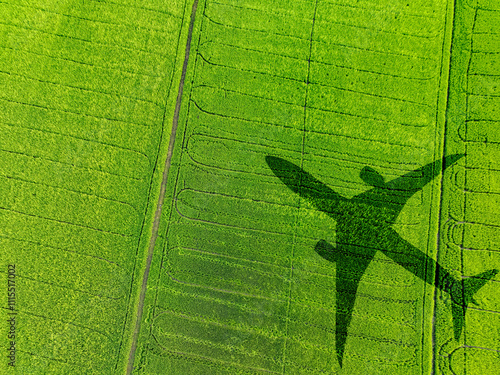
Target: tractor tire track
(163,186)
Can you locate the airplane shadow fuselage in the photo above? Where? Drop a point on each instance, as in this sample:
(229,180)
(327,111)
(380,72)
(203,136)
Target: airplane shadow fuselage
(364,226)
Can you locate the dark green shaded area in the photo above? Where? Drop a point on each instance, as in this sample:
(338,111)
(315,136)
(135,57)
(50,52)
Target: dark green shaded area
(350,90)
(364,227)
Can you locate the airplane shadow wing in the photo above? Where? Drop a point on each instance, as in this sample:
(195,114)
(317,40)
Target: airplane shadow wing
(304,184)
(349,269)
(399,190)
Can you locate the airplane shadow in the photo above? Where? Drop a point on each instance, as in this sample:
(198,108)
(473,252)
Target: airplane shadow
(364,226)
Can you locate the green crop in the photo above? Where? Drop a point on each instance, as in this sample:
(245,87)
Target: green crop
(85,86)
(240,272)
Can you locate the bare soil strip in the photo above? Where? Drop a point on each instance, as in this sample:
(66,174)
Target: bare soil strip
(159,207)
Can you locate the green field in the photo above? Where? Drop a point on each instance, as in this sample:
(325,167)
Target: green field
(96,216)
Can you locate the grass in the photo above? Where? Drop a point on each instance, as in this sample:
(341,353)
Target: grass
(82,102)
(238,239)
(235,285)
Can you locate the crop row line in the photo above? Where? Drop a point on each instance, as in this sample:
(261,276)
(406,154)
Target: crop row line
(205,254)
(318,84)
(249,70)
(385,121)
(130,26)
(70,190)
(480,168)
(250,200)
(47,108)
(291,150)
(277,275)
(485,52)
(198,164)
(205,85)
(131,5)
(339,182)
(242,228)
(290,127)
(220,259)
(270,74)
(449,239)
(70,164)
(243,308)
(485,33)
(274,148)
(274,360)
(372,160)
(235,140)
(243,176)
(425,15)
(235,284)
(123,47)
(63,249)
(233,349)
(470,119)
(199,358)
(471,94)
(115,95)
(484,9)
(306,261)
(324,20)
(238,262)
(220,290)
(55,285)
(312,305)
(281,317)
(46,131)
(474,249)
(264,52)
(66,222)
(85,64)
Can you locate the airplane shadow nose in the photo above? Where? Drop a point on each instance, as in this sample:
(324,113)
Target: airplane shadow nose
(278,164)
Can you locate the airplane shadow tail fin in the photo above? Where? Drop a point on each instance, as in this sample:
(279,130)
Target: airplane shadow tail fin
(462,294)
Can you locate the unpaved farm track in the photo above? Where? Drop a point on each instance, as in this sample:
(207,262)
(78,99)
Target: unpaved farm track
(159,206)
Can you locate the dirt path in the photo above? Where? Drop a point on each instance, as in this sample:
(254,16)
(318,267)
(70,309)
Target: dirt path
(163,186)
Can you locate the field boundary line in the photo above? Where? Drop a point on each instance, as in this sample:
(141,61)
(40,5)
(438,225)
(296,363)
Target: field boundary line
(159,207)
(450,37)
